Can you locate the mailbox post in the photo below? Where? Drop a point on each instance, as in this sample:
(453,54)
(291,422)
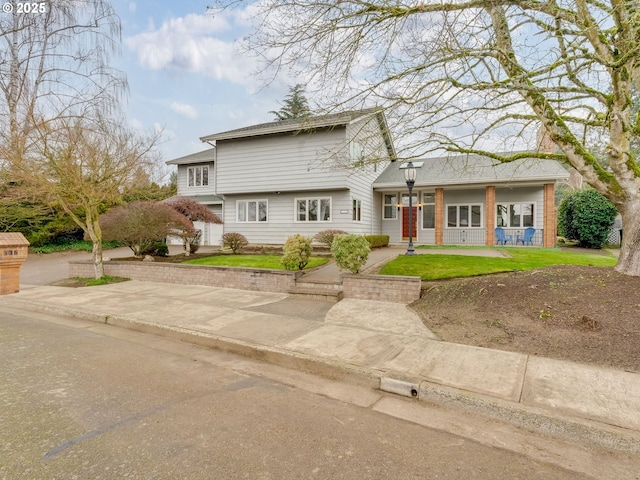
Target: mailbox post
(13,252)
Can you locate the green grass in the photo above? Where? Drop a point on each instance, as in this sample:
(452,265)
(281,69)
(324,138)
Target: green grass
(441,266)
(251,261)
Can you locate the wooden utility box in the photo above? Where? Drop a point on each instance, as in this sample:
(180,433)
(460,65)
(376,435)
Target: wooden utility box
(13,253)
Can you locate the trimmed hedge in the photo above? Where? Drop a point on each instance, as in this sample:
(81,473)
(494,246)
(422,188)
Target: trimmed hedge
(376,241)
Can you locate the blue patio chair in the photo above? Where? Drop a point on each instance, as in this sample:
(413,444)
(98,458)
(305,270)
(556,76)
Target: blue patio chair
(528,236)
(502,238)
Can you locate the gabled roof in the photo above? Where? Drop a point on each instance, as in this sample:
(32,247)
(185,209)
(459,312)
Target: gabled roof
(295,125)
(471,169)
(205,156)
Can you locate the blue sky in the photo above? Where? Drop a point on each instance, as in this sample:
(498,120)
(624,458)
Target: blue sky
(185,74)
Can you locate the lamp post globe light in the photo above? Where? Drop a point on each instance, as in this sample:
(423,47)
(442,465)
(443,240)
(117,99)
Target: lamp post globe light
(410,178)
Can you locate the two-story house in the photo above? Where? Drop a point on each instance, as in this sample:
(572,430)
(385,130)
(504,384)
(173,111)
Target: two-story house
(273,180)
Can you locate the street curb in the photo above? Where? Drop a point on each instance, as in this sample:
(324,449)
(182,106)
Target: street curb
(532,418)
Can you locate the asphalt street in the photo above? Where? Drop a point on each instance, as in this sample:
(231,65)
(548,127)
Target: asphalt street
(81,400)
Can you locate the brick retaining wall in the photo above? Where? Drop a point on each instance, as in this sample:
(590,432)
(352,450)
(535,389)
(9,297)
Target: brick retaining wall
(382,288)
(365,287)
(263,280)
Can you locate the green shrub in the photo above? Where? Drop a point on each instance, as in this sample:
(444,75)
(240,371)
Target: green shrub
(235,241)
(157,249)
(376,241)
(326,236)
(297,251)
(586,216)
(350,251)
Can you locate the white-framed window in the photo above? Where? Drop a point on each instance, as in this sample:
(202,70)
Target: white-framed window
(464,216)
(515,215)
(428,210)
(198,176)
(356,210)
(251,211)
(356,152)
(390,206)
(313,209)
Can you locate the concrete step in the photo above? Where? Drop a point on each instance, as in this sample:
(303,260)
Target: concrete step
(318,285)
(319,294)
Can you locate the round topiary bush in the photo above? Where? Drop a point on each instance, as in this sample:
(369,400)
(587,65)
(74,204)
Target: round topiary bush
(297,252)
(350,251)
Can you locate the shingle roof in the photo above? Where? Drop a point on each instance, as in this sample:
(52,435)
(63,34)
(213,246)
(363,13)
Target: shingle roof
(303,124)
(471,169)
(205,156)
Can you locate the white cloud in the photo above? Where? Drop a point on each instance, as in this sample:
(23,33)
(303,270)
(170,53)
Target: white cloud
(184,110)
(136,124)
(191,44)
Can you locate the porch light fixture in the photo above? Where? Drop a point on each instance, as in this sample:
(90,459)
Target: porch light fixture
(410,177)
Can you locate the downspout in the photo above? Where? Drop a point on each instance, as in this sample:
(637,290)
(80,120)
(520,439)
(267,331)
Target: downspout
(215,167)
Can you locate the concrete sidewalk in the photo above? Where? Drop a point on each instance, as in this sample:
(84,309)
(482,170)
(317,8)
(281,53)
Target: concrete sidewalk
(381,345)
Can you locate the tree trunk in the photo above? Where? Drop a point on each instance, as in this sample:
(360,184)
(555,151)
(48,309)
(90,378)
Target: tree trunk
(95,234)
(98,266)
(629,261)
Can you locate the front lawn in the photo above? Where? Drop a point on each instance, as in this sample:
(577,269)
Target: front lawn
(251,261)
(441,266)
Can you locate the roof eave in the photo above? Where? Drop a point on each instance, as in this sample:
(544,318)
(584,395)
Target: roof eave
(401,184)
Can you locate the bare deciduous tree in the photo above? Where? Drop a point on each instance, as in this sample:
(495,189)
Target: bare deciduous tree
(83,165)
(479,77)
(54,63)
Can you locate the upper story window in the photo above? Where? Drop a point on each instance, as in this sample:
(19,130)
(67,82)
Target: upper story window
(198,176)
(515,215)
(356,152)
(313,209)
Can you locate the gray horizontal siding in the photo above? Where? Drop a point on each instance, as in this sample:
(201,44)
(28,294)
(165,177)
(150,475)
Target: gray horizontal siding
(184,189)
(281,163)
(281,222)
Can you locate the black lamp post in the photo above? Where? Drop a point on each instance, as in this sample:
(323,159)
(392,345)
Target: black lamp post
(410,178)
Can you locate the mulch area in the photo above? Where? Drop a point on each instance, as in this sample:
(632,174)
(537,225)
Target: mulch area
(577,313)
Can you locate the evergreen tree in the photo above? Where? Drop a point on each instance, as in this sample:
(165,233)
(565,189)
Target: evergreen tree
(295,105)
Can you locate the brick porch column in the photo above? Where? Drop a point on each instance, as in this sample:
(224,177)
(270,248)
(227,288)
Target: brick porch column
(439,230)
(490,215)
(549,235)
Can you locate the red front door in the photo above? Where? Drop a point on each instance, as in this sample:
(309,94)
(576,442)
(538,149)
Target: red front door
(405,223)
